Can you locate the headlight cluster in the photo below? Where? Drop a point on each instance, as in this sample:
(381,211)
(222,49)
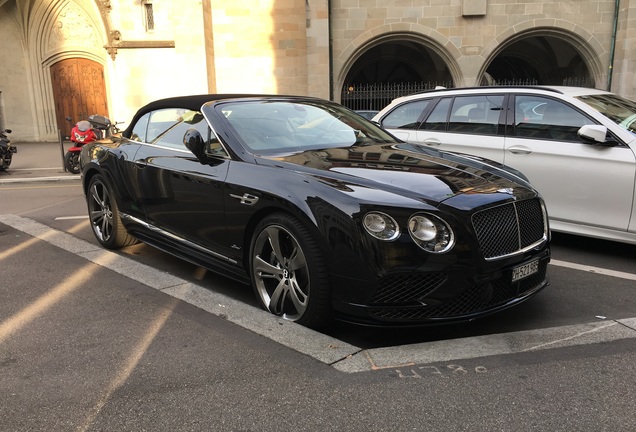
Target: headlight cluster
(381,226)
(429,232)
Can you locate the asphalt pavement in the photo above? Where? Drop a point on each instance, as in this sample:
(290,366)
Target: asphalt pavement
(96,341)
(43,162)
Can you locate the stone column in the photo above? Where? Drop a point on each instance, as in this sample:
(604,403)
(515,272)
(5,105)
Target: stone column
(623,81)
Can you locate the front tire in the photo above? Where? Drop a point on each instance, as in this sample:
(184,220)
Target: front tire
(104,216)
(288,272)
(71,161)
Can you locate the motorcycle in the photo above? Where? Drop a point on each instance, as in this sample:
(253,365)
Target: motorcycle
(84,132)
(6,150)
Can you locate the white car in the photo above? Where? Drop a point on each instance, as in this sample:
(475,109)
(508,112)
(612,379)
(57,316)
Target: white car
(577,146)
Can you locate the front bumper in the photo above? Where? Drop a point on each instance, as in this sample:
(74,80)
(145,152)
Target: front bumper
(408,298)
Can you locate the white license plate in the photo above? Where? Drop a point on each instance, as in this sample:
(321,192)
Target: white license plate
(525,270)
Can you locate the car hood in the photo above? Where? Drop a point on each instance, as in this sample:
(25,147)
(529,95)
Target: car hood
(415,172)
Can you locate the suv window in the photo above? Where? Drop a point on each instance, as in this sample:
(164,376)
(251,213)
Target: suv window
(437,119)
(466,114)
(406,115)
(475,114)
(545,118)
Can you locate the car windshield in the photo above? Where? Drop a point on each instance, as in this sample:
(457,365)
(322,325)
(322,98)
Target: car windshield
(284,126)
(617,108)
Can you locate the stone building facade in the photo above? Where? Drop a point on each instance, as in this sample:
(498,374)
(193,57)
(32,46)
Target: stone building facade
(77,57)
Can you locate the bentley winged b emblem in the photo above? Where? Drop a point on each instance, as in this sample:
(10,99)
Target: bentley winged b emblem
(246,198)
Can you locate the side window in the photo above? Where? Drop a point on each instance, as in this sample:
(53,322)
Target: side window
(167,127)
(213,147)
(437,119)
(545,118)
(405,116)
(476,114)
(139,131)
(195,120)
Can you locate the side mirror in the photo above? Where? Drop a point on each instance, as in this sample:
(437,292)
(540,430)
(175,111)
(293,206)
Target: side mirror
(595,134)
(194,142)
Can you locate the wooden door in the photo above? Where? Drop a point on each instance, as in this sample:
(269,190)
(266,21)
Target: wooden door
(79,91)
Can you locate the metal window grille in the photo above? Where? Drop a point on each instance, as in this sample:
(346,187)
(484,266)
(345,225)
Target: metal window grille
(377,96)
(149,16)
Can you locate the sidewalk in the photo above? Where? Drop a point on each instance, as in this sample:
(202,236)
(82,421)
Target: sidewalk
(37,161)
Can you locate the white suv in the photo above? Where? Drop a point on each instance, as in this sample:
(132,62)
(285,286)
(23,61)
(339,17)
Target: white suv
(577,146)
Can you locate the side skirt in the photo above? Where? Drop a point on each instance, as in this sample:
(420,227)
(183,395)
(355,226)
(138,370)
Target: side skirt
(185,249)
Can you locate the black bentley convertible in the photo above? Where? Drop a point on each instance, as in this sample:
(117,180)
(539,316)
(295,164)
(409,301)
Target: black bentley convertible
(325,214)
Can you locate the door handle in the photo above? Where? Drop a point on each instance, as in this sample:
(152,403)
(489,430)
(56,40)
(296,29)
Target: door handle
(141,163)
(519,150)
(432,142)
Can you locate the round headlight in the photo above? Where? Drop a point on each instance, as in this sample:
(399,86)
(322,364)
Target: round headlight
(431,233)
(422,228)
(381,226)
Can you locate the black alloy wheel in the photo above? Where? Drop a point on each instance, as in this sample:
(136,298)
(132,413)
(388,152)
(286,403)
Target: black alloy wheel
(104,216)
(71,161)
(288,272)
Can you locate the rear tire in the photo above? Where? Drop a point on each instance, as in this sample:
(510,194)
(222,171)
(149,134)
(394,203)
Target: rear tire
(104,216)
(5,161)
(288,272)
(71,161)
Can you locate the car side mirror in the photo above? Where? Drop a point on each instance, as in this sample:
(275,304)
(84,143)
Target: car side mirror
(595,134)
(195,143)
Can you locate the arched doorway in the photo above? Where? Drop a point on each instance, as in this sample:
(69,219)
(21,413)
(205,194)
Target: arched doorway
(79,90)
(538,60)
(392,69)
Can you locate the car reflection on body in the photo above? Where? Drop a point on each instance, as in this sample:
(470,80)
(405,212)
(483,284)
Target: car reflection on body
(325,214)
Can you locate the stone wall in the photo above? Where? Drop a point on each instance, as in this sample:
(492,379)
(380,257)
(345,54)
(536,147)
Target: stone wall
(469,33)
(16,108)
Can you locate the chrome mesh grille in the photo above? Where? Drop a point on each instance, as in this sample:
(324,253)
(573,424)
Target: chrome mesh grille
(509,228)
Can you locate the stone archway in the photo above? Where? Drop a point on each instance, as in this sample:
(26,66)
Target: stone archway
(544,56)
(392,65)
(55,30)
(539,60)
(394,62)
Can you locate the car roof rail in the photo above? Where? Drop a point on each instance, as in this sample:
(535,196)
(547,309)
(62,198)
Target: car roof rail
(513,86)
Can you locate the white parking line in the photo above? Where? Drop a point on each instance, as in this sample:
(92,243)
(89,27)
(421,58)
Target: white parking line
(40,179)
(36,169)
(596,270)
(331,351)
(71,217)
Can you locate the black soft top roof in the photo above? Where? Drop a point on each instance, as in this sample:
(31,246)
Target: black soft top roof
(193,102)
